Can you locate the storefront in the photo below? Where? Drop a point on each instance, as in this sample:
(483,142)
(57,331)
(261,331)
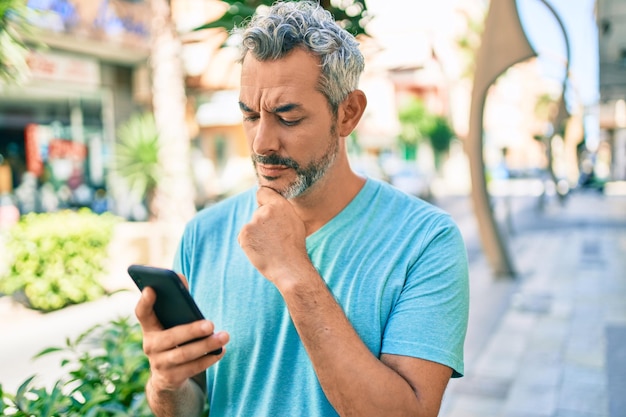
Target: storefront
(57,130)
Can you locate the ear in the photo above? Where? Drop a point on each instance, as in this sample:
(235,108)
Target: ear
(350,112)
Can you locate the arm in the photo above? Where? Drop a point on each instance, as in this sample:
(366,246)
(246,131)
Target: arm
(176,384)
(352,378)
(188,400)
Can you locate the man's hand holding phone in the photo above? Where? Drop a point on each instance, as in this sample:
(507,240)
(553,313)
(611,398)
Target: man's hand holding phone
(177,340)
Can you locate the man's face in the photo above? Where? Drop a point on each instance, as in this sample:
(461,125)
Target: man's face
(288,123)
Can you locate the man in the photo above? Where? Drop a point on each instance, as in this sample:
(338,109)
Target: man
(341,295)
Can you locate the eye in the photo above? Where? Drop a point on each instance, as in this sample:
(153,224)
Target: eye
(290,122)
(250,117)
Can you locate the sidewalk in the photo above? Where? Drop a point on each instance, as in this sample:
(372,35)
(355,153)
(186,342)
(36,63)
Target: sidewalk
(556,336)
(25,333)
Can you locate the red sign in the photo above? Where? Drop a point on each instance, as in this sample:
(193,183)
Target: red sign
(34,163)
(66,149)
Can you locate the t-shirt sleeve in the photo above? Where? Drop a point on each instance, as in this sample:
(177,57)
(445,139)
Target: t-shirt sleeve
(429,320)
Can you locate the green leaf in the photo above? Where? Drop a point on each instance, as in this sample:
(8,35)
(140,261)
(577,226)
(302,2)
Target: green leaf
(137,154)
(47,351)
(24,386)
(57,259)
(354,22)
(232,18)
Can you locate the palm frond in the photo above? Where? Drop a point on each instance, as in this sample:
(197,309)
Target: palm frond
(137,154)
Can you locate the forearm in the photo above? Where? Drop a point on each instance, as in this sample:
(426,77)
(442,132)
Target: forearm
(187,401)
(353,379)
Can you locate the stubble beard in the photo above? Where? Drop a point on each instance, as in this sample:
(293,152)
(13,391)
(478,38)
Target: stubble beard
(305,176)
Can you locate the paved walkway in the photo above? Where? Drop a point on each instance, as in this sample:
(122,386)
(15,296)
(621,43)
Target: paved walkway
(25,333)
(557,346)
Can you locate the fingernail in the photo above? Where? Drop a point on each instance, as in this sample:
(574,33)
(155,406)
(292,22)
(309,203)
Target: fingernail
(222,337)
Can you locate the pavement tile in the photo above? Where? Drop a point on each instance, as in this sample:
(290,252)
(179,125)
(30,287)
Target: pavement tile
(507,345)
(531,401)
(472,406)
(571,286)
(571,413)
(586,350)
(585,396)
(616,368)
(538,376)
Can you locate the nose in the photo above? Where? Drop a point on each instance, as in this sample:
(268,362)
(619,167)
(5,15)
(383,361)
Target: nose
(264,137)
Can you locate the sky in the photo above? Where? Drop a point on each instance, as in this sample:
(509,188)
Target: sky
(546,36)
(548,39)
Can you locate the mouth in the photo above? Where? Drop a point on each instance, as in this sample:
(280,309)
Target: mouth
(271,171)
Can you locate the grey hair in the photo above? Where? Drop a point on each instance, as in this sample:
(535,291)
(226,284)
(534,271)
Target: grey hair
(287,25)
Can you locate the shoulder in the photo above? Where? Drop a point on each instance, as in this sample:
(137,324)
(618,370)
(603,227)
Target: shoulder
(417,222)
(391,202)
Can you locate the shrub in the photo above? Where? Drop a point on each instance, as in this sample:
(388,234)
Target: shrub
(56,259)
(106,376)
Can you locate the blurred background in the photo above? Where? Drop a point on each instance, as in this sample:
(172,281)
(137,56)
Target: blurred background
(76,117)
(125,113)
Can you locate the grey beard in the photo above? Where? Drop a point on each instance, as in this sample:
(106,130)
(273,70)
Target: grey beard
(305,177)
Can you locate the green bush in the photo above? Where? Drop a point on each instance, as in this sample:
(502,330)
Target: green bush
(106,375)
(56,259)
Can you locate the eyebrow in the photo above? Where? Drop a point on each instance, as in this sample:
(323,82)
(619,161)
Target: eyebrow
(278,109)
(245,108)
(286,108)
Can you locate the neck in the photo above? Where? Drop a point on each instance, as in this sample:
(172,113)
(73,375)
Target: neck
(329,196)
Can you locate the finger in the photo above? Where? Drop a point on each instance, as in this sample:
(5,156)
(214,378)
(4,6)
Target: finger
(265,195)
(172,374)
(193,357)
(212,345)
(144,310)
(181,335)
(184,280)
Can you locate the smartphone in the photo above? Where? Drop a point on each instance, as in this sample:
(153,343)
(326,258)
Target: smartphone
(174,305)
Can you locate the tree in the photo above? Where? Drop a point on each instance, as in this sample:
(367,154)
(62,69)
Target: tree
(13,50)
(440,135)
(352,16)
(469,42)
(418,124)
(174,193)
(137,157)
(415,122)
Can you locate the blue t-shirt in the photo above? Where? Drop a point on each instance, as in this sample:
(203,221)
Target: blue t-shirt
(396,264)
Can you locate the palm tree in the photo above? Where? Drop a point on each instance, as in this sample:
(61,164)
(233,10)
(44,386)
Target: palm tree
(13,50)
(137,158)
(352,16)
(174,193)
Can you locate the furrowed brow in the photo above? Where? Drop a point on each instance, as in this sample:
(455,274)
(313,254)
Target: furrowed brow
(245,108)
(286,108)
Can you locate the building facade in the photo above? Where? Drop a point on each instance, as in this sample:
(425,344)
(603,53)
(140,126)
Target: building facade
(611,16)
(57,129)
